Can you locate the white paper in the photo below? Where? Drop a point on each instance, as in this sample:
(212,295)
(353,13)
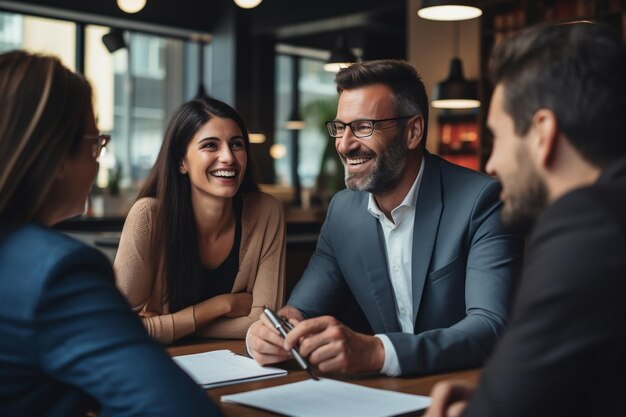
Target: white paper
(329,398)
(223,367)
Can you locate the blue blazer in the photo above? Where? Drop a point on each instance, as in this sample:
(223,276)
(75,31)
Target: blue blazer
(69,341)
(463,267)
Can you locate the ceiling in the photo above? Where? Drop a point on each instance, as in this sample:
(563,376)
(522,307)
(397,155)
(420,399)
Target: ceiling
(313,24)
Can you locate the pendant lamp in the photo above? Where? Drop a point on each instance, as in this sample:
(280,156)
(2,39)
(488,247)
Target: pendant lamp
(256,134)
(131,6)
(201,88)
(449,10)
(294,122)
(340,57)
(455,92)
(248,4)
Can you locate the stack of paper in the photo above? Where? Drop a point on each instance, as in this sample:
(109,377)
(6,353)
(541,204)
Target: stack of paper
(330,398)
(223,367)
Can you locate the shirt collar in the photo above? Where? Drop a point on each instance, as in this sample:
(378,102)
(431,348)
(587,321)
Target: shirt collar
(410,200)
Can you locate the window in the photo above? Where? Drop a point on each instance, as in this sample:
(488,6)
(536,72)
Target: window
(10,31)
(136,90)
(318,97)
(37,34)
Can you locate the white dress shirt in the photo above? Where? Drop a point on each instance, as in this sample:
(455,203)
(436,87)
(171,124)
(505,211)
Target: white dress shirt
(398,234)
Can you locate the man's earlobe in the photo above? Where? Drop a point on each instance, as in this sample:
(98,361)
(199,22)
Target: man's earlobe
(416,129)
(546,129)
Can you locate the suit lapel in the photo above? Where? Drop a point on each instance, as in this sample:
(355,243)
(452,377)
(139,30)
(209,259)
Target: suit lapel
(373,256)
(427,215)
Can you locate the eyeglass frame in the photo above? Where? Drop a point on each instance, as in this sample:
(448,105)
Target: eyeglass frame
(372,121)
(102,142)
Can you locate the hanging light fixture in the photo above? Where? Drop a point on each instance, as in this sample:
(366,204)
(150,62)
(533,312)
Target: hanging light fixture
(201,87)
(449,10)
(341,56)
(278,151)
(455,92)
(247,4)
(256,134)
(294,122)
(131,6)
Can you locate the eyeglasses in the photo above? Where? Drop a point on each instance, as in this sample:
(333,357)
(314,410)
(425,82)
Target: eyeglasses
(360,128)
(99,142)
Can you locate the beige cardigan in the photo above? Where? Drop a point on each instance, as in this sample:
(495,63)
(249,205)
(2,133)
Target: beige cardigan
(261,270)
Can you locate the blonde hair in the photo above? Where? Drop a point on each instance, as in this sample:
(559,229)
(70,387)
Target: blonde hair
(44,110)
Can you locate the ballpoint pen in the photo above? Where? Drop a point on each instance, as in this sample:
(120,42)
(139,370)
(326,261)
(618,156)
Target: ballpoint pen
(280,325)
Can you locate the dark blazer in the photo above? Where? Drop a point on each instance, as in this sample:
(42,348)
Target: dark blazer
(565,351)
(69,341)
(463,267)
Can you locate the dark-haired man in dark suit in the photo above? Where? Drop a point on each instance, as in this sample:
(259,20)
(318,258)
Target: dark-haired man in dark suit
(557,116)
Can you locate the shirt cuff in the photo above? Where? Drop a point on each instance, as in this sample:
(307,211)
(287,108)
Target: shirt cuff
(391,365)
(246,340)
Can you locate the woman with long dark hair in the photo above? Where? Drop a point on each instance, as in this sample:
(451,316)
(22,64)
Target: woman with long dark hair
(202,250)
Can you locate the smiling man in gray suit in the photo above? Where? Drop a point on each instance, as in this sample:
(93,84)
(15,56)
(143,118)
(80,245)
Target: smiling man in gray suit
(414,250)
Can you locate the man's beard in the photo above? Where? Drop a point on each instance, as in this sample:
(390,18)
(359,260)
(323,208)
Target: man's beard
(386,173)
(526,198)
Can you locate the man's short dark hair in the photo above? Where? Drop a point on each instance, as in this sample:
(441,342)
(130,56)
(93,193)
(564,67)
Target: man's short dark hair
(578,71)
(409,94)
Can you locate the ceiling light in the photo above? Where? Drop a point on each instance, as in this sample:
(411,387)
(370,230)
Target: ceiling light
(131,6)
(278,151)
(247,4)
(294,122)
(256,137)
(449,10)
(340,57)
(455,92)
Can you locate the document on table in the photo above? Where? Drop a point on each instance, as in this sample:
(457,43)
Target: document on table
(329,398)
(223,367)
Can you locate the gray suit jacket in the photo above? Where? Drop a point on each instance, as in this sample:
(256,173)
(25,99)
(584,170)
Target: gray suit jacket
(463,268)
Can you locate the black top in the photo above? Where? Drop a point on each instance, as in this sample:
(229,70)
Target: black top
(221,279)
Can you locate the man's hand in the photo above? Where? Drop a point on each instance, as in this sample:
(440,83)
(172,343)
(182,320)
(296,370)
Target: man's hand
(332,347)
(265,343)
(449,399)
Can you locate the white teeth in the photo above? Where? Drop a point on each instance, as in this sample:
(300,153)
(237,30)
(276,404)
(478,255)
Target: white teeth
(357,161)
(223,173)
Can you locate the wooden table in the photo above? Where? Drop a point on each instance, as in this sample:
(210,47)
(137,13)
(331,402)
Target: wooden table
(415,385)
